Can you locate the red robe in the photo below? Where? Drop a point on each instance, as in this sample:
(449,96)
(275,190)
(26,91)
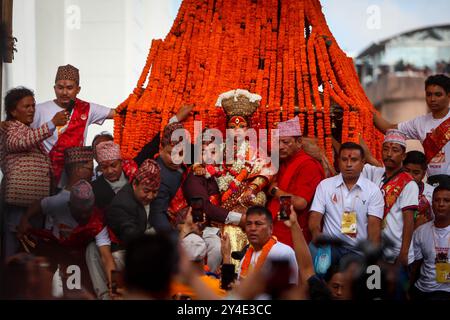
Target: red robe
(299,176)
(436,140)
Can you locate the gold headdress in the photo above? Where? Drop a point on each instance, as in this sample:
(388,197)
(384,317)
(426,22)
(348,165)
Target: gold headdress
(239,103)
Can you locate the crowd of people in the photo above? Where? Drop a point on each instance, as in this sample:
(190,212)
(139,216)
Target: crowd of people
(154,227)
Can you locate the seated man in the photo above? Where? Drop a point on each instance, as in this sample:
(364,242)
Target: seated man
(114,176)
(128,216)
(431,248)
(264,248)
(350,206)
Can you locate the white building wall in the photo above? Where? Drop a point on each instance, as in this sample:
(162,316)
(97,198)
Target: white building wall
(108,40)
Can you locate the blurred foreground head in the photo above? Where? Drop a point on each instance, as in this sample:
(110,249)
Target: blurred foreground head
(150,264)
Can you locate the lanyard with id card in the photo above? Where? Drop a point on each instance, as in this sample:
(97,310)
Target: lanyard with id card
(441,262)
(349,221)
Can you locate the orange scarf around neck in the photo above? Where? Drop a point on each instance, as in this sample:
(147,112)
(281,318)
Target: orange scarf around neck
(261,259)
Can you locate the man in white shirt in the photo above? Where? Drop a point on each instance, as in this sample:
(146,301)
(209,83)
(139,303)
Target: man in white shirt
(264,248)
(423,128)
(350,205)
(416,165)
(431,248)
(401,195)
(79,113)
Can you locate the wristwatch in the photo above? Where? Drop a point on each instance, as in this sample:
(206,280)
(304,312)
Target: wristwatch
(273,191)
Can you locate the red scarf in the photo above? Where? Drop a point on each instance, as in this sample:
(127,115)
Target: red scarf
(393,188)
(80,236)
(72,137)
(83,234)
(130,169)
(261,259)
(436,140)
(424,208)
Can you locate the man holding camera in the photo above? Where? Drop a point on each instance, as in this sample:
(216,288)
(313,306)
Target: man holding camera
(350,205)
(298,178)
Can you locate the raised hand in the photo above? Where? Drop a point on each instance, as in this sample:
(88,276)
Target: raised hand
(61,118)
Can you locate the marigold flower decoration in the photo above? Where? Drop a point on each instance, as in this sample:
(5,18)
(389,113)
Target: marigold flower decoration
(290,59)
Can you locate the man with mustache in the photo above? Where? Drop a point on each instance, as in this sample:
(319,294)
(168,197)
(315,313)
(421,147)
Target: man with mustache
(432,129)
(401,195)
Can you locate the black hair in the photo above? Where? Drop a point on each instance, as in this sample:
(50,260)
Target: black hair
(13,97)
(440,80)
(332,270)
(352,146)
(444,184)
(101,135)
(150,263)
(415,157)
(260,210)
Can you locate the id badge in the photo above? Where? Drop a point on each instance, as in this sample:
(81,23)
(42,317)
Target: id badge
(348,225)
(443,272)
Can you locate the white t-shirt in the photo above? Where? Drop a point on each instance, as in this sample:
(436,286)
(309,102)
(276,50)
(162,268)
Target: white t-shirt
(47,110)
(279,251)
(418,128)
(333,198)
(424,248)
(409,197)
(61,221)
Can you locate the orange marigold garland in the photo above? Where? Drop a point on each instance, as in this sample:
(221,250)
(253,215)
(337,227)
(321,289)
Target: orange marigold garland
(281,50)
